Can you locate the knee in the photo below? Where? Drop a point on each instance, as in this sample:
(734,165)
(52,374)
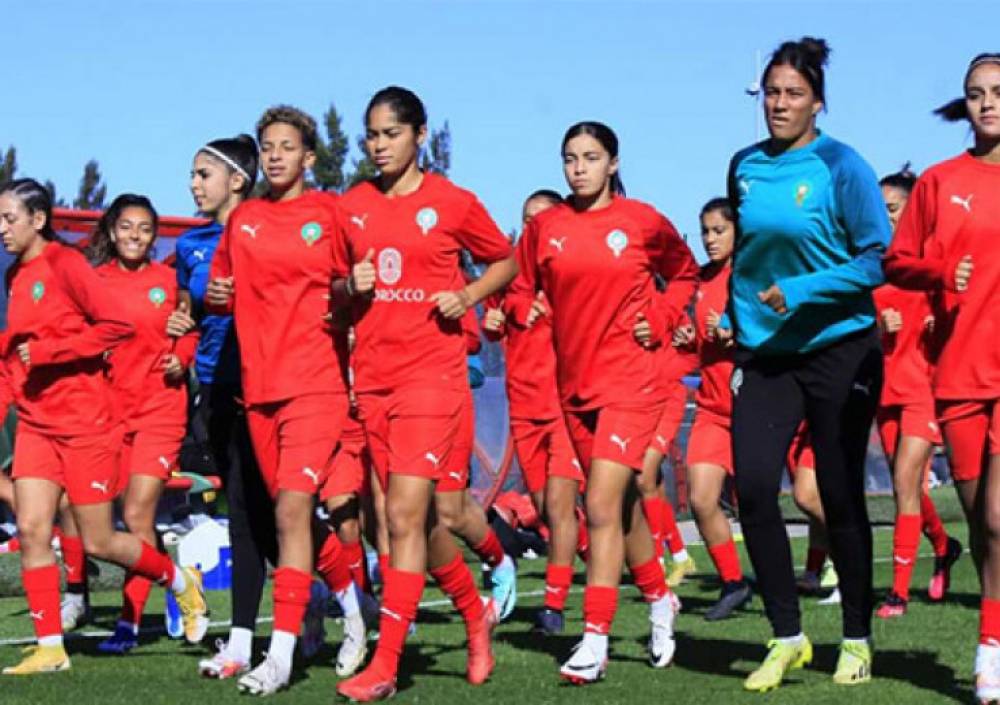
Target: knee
(290,519)
(603,512)
(33,530)
(137,517)
(992,521)
(97,545)
(450,514)
(806,499)
(559,509)
(404,521)
(702,502)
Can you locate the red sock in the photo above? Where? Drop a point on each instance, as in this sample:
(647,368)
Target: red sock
(582,536)
(456,581)
(599,607)
(905,540)
(135,592)
(354,553)
(332,564)
(668,525)
(75,562)
(154,565)
(648,577)
(727,562)
(654,517)
(291,596)
(41,585)
(815,559)
(558,578)
(932,526)
(989,621)
(489,549)
(399,608)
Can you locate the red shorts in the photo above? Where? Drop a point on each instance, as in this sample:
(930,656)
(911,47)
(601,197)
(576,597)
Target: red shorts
(455,477)
(349,474)
(544,448)
(800,453)
(971,431)
(413,431)
(618,433)
(295,440)
(915,420)
(671,418)
(86,467)
(153,452)
(711,441)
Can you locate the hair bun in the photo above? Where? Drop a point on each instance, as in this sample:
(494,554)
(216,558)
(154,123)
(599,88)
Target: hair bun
(246,139)
(817,48)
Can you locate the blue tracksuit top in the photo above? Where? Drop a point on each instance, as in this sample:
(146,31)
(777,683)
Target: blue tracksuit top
(811,220)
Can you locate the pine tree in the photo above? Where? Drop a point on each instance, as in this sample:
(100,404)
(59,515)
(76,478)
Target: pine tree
(92,192)
(331,155)
(437,156)
(8,167)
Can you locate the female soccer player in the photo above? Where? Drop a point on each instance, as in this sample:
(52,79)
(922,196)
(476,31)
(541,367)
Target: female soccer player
(401,252)
(62,320)
(149,379)
(595,257)
(946,244)
(272,270)
(907,424)
(811,232)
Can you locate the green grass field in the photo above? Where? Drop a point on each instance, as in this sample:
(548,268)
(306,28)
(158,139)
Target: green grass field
(925,657)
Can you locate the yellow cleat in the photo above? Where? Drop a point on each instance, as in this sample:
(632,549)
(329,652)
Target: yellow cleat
(680,570)
(854,665)
(194,609)
(781,659)
(40,659)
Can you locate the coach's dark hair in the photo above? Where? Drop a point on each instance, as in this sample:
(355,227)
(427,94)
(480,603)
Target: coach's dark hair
(904,179)
(242,151)
(608,139)
(102,248)
(403,102)
(958,110)
(808,56)
(546,193)
(36,199)
(720,204)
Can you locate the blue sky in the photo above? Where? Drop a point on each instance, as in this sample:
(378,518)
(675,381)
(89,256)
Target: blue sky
(141,85)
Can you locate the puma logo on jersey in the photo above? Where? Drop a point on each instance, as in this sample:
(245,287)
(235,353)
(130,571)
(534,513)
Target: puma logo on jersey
(558,244)
(311,474)
(745,185)
(455,476)
(661,440)
(100,486)
(432,459)
(576,464)
(164,462)
(359,220)
(38,616)
(864,389)
(251,229)
(966,202)
(199,255)
(621,443)
(932,426)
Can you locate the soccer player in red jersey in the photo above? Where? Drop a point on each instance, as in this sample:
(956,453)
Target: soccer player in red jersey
(551,470)
(272,270)
(399,261)
(595,257)
(945,243)
(907,424)
(61,322)
(148,376)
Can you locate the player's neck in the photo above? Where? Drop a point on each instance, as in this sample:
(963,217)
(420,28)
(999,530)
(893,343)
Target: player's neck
(599,200)
(987,150)
(402,184)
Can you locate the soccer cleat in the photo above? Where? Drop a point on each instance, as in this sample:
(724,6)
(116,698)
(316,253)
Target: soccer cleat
(828,577)
(73,613)
(354,647)
(584,666)
(894,606)
(854,665)
(479,637)
(782,657)
(194,609)
(808,583)
(123,640)
(224,664)
(367,686)
(735,594)
(504,586)
(988,673)
(832,599)
(313,631)
(267,679)
(40,659)
(941,577)
(679,570)
(661,646)
(549,622)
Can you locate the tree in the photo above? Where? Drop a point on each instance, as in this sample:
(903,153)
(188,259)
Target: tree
(364,168)
(331,155)
(56,201)
(8,167)
(437,156)
(92,192)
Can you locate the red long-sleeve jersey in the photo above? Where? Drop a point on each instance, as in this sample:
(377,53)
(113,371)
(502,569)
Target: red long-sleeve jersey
(416,240)
(716,360)
(280,255)
(69,318)
(145,398)
(596,268)
(954,211)
(908,367)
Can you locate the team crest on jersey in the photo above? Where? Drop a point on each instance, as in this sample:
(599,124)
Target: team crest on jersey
(427,218)
(802,191)
(157,295)
(390,265)
(311,232)
(617,240)
(37,291)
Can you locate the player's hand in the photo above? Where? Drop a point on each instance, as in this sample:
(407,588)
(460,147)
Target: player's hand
(362,280)
(494,320)
(774,298)
(173,370)
(219,291)
(180,322)
(683,336)
(929,323)
(451,304)
(714,331)
(24,353)
(642,331)
(892,321)
(537,310)
(963,273)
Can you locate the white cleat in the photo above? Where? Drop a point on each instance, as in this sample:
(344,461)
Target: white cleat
(584,666)
(224,664)
(988,673)
(661,642)
(73,613)
(354,648)
(267,679)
